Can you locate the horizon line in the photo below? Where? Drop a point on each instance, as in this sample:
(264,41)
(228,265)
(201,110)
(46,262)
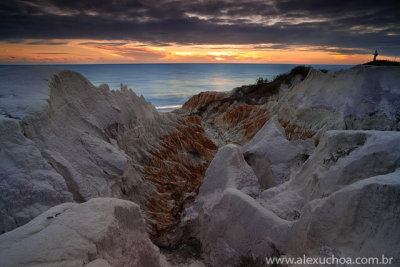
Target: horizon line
(172,63)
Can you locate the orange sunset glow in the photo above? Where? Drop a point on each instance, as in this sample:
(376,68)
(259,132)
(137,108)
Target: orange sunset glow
(116,52)
(223,31)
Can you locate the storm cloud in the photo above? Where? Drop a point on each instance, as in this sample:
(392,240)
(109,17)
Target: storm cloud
(346,25)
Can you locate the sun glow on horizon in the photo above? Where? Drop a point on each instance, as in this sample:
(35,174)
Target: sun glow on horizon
(79,51)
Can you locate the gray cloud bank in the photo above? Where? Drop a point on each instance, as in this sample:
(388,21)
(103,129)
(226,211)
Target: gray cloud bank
(364,25)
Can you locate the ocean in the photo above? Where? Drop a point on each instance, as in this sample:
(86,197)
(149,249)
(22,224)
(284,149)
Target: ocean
(168,86)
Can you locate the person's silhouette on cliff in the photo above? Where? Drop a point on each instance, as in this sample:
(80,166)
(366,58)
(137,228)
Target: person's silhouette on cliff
(375,55)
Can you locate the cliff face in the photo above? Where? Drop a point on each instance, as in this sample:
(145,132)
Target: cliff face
(342,200)
(317,178)
(306,103)
(63,139)
(176,168)
(305,164)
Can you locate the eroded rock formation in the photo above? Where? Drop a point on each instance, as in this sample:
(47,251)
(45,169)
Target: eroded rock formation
(344,199)
(177,170)
(100,232)
(298,186)
(64,139)
(307,164)
(307,103)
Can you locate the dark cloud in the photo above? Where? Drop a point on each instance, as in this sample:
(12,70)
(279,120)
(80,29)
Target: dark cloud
(51,53)
(364,25)
(273,46)
(160,44)
(103,43)
(44,42)
(344,51)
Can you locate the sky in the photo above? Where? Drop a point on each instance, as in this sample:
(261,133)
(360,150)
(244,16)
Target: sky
(198,31)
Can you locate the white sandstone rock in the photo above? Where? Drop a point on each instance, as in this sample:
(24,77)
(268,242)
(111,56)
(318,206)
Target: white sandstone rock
(357,91)
(274,158)
(341,158)
(239,224)
(24,91)
(349,183)
(227,170)
(28,183)
(58,141)
(360,98)
(345,198)
(360,220)
(100,232)
(226,219)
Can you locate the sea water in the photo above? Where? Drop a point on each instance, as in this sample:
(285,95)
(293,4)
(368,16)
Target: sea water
(168,86)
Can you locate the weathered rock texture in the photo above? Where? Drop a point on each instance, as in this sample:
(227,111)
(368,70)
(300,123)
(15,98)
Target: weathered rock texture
(63,139)
(273,157)
(236,117)
(313,169)
(298,186)
(100,232)
(308,102)
(177,170)
(202,99)
(345,199)
(64,134)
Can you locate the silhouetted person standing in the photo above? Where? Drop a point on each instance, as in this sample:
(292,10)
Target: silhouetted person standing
(375,55)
